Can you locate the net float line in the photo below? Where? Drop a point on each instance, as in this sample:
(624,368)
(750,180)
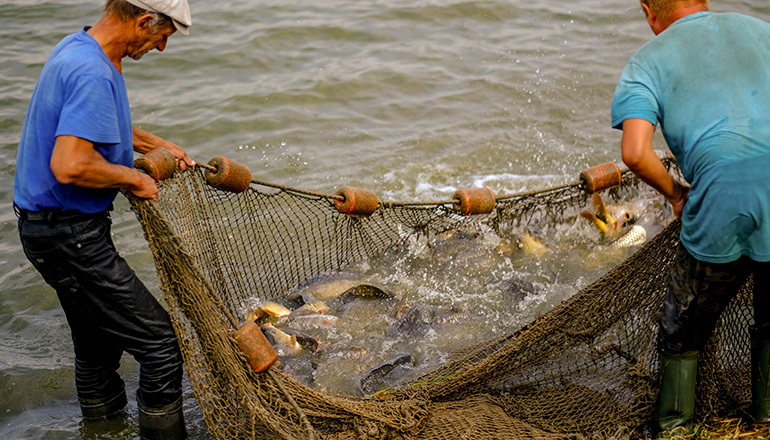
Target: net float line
(229,175)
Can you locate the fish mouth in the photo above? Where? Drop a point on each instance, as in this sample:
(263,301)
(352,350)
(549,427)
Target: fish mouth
(626,219)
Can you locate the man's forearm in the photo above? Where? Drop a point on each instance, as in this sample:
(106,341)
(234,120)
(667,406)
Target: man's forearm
(145,142)
(74,161)
(640,157)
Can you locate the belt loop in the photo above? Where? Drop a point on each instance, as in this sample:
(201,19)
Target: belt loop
(16,210)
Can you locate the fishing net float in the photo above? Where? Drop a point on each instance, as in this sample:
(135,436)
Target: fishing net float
(159,164)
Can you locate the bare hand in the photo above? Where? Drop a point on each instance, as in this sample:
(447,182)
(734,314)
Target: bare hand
(145,187)
(182,159)
(677,203)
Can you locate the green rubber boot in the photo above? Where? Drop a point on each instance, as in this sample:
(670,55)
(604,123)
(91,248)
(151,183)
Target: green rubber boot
(677,390)
(760,377)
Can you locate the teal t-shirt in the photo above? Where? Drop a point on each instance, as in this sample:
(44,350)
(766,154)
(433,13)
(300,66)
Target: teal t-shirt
(79,93)
(706,81)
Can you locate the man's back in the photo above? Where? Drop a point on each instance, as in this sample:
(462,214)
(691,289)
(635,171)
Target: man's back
(706,79)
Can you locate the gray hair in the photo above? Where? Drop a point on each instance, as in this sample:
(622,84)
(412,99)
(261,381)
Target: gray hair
(125,11)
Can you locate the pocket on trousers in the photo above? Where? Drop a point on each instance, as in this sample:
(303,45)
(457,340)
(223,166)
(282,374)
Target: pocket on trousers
(93,231)
(51,263)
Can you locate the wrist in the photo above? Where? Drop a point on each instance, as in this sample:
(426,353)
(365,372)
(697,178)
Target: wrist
(678,194)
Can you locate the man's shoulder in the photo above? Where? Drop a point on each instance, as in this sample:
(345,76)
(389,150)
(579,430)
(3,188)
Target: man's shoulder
(79,53)
(708,25)
(735,16)
(716,21)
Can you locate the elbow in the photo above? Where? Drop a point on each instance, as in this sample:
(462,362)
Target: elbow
(633,158)
(630,159)
(66,174)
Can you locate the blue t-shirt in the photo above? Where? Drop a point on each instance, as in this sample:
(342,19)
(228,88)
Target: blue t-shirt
(79,93)
(706,80)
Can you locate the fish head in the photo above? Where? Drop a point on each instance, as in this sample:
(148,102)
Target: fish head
(625,219)
(284,343)
(611,220)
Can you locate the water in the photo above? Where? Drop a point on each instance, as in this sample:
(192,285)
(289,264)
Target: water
(411,99)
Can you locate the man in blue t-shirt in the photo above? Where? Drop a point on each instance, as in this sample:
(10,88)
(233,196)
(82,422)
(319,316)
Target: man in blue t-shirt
(75,154)
(705,78)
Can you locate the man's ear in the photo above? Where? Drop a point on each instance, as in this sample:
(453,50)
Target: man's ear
(143,21)
(648,13)
(653,19)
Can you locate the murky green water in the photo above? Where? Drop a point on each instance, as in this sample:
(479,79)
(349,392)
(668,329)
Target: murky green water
(411,99)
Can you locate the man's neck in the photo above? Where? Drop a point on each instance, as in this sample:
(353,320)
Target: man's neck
(110,34)
(685,11)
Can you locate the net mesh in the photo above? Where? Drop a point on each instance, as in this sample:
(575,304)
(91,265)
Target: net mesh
(586,369)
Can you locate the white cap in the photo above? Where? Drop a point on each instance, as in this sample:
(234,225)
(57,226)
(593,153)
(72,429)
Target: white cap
(177,10)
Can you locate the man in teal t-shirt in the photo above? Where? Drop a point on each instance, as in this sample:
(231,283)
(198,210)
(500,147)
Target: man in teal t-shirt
(705,78)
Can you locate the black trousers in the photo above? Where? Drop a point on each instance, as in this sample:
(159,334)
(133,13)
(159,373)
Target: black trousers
(109,310)
(697,294)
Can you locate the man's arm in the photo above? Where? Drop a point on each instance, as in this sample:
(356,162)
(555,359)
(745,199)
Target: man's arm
(75,162)
(145,142)
(639,156)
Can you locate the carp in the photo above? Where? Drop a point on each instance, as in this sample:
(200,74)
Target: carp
(454,318)
(635,236)
(612,221)
(361,292)
(525,244)
(324,286)
(531,245)
(284,343)
(364,291)
(384,375)
(416,321)
(267,310)
(305,341)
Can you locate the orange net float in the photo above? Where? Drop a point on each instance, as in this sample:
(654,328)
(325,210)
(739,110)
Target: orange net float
(601,177)
(474,201)
(229,175)
(356,201)
(159,164)
(252,342)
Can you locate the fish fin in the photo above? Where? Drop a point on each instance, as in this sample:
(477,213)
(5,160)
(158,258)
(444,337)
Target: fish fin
(597,221)
(598,203)
(531,244)
(601,209)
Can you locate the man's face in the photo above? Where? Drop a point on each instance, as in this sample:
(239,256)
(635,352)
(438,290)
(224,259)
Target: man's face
(148,38)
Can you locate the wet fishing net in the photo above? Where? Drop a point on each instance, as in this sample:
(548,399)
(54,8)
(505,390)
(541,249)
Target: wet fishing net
(585,369)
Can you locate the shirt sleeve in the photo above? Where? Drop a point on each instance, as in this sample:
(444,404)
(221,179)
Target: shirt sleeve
(89,110)
(634,97)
